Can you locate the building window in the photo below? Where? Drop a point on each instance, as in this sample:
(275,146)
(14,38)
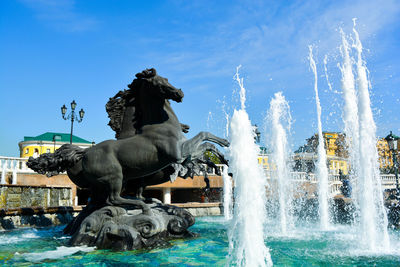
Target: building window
(35,153)
(27,151)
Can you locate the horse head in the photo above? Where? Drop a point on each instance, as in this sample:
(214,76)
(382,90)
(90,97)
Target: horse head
(156,85)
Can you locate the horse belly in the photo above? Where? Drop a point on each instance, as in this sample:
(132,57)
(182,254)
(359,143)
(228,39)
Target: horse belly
(101,160)
(140,159)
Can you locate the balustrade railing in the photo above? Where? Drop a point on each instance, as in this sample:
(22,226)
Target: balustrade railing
(14,165)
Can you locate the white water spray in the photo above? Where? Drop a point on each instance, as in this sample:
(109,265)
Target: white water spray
(322,170)
(350,118)
(227,193)
(373,215)
(227,196)
(280,119)
(209,119)
(246,233)
(327,75)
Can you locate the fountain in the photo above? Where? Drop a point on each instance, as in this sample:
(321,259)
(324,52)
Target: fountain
(350,117)
(280,121)
(227,189)
(373,214)
(227,197)
(359,126)
(322,170)
(246,232)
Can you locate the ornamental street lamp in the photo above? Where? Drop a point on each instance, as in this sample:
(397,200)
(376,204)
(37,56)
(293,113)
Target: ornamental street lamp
(392,142)
(72,116)
(257,133)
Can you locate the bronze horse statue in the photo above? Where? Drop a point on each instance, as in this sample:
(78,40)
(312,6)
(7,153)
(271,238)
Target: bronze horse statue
(121,111)
(155,144)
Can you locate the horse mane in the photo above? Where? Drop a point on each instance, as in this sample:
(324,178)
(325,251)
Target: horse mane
(117,105)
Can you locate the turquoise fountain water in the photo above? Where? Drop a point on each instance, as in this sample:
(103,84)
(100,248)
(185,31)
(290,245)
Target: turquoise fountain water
(307,246)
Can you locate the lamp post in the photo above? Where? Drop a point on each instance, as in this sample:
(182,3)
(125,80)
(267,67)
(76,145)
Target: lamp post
(55,138)
(392,142)
(72,116)
(257,133)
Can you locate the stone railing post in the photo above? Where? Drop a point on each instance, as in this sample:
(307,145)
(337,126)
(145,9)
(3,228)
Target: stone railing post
(14,171)
(3,172)
(167,195)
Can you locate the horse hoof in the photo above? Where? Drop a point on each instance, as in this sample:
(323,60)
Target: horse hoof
(226,143)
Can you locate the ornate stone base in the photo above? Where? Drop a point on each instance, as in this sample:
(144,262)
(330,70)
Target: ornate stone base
(120,228)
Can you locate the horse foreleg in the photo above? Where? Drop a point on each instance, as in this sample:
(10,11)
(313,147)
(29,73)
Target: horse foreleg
(192,144)
(211,148)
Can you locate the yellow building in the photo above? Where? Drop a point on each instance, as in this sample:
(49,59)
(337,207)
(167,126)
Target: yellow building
(48,143)
(385,156)
(263,159)
(330,143)
(336,153)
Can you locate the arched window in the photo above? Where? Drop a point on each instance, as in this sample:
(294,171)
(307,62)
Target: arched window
(36,153)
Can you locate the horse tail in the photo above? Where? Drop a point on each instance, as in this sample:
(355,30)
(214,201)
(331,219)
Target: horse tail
(52,164)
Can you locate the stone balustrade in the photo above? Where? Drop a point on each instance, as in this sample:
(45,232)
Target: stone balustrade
(13,166)
(10,167)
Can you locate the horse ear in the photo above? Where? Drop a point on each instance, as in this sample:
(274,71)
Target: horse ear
(152,72)
(147,73)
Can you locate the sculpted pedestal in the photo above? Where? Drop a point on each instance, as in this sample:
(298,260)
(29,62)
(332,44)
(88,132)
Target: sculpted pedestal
(120,228)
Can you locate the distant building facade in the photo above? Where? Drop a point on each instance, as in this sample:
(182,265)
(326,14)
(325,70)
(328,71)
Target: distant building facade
(336,153)
(48,143)
(385,155)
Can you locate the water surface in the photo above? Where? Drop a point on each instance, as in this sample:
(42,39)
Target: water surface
(306,246)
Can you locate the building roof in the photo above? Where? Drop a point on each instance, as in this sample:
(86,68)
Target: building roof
(59,137)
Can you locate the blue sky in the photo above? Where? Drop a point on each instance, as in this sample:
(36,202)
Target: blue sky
(52,52)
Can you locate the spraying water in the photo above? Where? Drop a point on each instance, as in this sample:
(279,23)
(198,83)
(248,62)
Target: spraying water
(280,119)
(209,119)
(373,215)
(326,73)
(350,118)
(246,233)
(227,201)
(227,194)
(322,170)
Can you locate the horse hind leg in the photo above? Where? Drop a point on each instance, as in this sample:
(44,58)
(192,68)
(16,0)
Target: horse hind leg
(114,195)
